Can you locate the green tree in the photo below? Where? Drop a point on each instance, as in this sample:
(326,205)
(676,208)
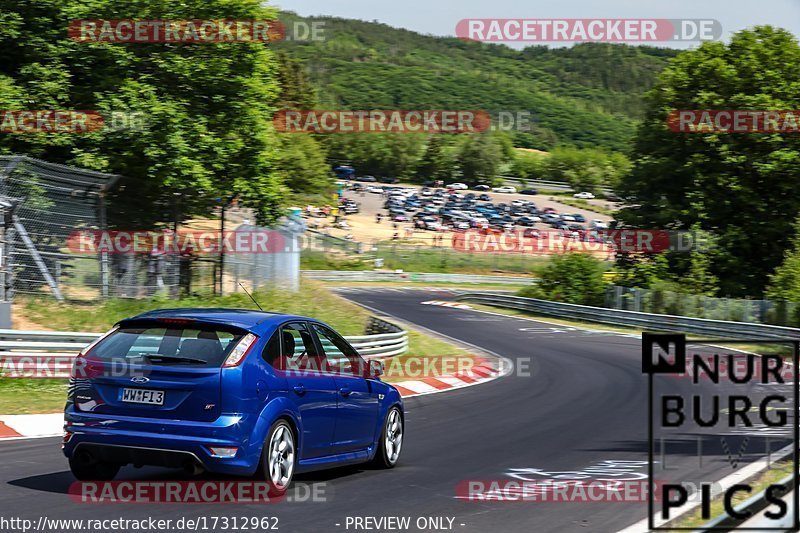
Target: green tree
(784,282)
(378,154)
(640,270)
(205,131)
(481,157)
(527,165)
(434,165)
(301,162)
(574,278)
(584,169)
(741,187)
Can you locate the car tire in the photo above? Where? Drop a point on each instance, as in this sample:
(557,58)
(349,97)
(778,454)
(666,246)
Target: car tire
(391,441)
(279,457)
(84,469)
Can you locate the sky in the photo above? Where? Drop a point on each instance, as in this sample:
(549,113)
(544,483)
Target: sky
(439,17)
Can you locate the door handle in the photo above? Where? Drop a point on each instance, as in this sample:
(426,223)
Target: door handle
(344,391)
(300,389)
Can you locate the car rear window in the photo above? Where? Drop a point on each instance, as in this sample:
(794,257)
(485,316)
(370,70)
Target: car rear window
(168,345)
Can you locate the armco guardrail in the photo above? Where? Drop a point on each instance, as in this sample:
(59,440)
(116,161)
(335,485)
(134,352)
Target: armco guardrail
(429,277)
(642,321)
(49,354)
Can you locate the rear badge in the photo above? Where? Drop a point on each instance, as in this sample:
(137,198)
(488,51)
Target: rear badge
(209,406)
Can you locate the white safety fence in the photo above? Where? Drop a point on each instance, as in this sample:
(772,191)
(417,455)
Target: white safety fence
(50,354)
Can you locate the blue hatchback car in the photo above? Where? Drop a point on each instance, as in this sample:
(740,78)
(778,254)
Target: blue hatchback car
(229,391)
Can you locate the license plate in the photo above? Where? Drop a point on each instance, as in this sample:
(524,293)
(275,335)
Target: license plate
(150,397)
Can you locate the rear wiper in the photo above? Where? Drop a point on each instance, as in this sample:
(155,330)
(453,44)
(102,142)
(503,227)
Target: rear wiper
(174,358)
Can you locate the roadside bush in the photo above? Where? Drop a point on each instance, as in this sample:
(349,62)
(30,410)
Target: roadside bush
(574,278)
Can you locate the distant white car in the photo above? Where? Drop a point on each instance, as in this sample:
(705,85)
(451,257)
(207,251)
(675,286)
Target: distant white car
(426,192)
(583,195)
(568,218)
(375,190)
(518,203)
(598,224)
(458,186)
(507,189)
(461,224)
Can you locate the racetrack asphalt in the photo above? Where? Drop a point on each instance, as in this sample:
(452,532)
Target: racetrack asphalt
(581,408)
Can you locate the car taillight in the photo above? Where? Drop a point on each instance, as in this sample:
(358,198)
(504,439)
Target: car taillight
(239,352)
(79,364)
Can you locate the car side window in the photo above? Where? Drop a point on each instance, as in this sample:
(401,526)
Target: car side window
(297,349)
(339,356)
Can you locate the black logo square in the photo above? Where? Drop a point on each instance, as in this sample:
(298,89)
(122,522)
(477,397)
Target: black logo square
(656,345)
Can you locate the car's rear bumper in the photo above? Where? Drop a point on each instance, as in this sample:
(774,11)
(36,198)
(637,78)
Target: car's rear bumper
(162,442)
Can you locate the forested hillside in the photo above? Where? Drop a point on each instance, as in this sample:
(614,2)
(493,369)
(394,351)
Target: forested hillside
(588,95)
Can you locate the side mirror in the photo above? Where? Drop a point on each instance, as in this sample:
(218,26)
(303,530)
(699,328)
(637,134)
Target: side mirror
(375,368)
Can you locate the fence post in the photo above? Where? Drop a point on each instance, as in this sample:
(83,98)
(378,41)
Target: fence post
(104,273)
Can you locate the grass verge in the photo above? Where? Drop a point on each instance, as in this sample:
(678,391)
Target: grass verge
(311,300)
(443,260)
(29,396)
(776,472)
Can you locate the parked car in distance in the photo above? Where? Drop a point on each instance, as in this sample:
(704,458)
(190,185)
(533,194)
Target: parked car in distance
(458,186)
(367,179)
(224,391)
(386,179)
(485,198)
(578,217)
(598,224)
(505,189)
(428,223)
(529,191)
(350,207)
(482,188)
(583,195)
(374,189)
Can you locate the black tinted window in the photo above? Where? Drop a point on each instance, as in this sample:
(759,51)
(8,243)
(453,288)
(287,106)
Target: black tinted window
(165,345)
